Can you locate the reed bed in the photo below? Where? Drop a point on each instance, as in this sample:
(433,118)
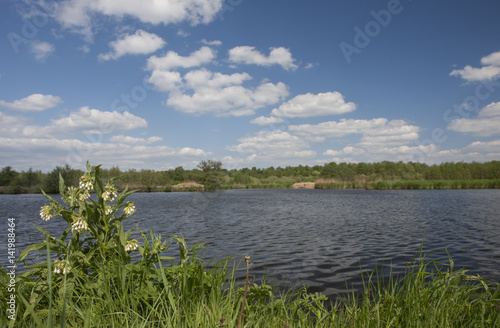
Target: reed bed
(412,184)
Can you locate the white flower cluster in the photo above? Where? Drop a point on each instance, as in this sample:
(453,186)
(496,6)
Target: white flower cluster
(108,210)
(85,182)
(79,225)
(129,209)
(109,193)
(131,246)
(45,213)
(61,267)
(83,195)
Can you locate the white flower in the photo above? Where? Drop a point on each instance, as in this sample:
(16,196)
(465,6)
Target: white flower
(109,193)
(83,195)
(129,209)
(61,267)
(45,213)
(131,246)
(79,225)
(108,210)
(85,182)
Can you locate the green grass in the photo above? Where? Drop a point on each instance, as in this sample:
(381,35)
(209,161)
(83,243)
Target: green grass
(429,294)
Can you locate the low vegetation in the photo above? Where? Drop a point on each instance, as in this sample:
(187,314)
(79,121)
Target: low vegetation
(212,175)
(88,278)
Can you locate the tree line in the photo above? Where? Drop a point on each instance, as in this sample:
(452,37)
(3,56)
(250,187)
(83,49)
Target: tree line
(213,175)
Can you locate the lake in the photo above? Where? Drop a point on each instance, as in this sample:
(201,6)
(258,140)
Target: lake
(321,238)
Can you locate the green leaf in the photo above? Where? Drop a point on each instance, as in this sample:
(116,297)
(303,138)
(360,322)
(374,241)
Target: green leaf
(34,247)
(62,186)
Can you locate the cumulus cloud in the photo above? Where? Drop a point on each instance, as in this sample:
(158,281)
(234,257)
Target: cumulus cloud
(32,103)
(381,153)
(41,50)
(211,43)
(201,91)
(381,139)
(134,141)
(273,144)
(78,15)
(223,95)
(11,125)
(340,128)
(76,152)
(263,120)
(86,120)
(486,124)
(489,71)
(321,104)
(140,43)
(375,132)
(173,60)
(248,55)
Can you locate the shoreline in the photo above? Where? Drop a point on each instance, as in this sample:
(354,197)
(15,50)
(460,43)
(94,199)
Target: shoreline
(321,184)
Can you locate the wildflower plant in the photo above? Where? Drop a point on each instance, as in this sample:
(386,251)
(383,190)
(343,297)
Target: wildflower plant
(91,247)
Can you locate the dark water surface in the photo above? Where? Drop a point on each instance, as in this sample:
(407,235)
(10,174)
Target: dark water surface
(322,238)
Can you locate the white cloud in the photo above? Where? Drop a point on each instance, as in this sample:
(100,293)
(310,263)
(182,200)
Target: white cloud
(222,95)
(32,103)
(11,125)
(140,43)
(263,120)
(380,153)
(173,60)
(248,55)
(492,110)
(339,129)
(486,124)
(348,150)
(90,121)
(77,15)
(475,151)
(202,91)
(211,43)
(492,146)
(394,133)
(134,141)
(308,105)
(490,70)
(375,132)
(41,50)
(273,144)
(49,152)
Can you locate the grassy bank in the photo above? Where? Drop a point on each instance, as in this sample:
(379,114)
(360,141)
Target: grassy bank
(88,279)
(412,184)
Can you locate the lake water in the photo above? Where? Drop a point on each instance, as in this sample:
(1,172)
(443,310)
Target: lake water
(322,238)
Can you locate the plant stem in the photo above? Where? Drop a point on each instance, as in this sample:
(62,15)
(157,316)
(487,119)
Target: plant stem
(247,260)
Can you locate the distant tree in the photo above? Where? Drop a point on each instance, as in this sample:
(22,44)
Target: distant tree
(7,175)
(212,173)
(69,175)
(178,174)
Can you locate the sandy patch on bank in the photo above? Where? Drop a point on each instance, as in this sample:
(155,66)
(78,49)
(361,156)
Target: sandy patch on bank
(304,185)
(188,185)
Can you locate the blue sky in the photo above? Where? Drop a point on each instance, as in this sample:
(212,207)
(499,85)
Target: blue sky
(160,84)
